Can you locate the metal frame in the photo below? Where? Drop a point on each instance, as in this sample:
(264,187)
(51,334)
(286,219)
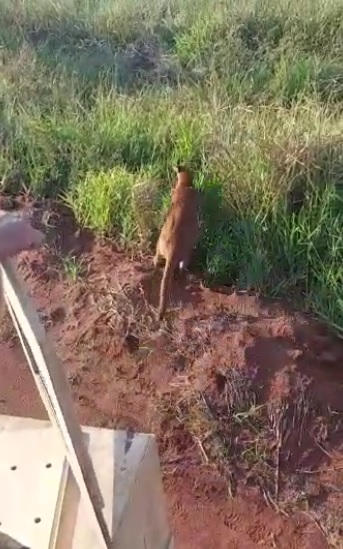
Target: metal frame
(53,388)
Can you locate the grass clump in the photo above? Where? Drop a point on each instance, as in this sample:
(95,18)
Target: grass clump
(98,100)
(106,201)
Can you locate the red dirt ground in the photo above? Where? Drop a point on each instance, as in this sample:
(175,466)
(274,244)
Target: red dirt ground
(126,372)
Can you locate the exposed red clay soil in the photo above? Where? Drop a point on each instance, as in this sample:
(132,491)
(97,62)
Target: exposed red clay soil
(245,398)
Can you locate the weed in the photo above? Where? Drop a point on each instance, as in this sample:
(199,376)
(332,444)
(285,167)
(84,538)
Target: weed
(94,106)
(125,310)
(231,431)
(73,267)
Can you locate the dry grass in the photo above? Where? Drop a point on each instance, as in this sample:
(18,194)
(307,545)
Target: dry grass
(8,333)
(252,443)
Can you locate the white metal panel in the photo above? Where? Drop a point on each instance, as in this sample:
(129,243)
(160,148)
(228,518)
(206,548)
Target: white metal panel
(31,462)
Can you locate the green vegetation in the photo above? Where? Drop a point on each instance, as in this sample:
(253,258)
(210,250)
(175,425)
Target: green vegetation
(72,267)
(98,99)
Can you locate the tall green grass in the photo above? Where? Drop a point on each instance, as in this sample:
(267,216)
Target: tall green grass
(98,100)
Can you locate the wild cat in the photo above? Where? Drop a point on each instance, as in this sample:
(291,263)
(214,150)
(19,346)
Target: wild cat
(179,233)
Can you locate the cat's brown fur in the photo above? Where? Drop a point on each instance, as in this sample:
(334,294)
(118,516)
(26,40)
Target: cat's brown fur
(179,233)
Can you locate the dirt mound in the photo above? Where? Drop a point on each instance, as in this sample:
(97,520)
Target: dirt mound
(246,399)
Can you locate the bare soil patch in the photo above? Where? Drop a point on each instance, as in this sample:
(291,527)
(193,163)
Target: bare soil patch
(245,397)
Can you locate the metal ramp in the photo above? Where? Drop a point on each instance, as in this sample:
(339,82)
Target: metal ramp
(67,487)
